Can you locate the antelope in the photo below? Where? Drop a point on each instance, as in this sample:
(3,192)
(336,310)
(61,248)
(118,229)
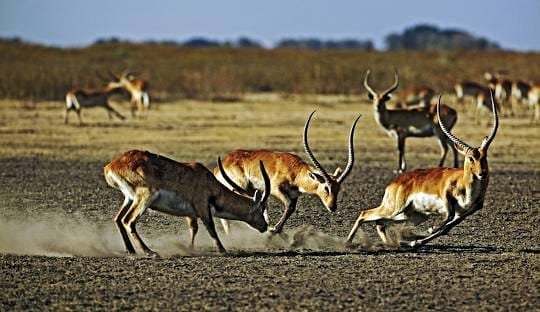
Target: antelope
(454,193)
(290,176)
(483,103)
(415,122)
(188,190)
(77,99)
(534,101)
(502,87)
(520,90)
(137,88)
(413,96)
(467,88)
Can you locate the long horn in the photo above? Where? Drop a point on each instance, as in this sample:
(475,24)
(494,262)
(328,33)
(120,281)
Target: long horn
(229,180)
(350,161)
(317,165)
(488,140)
(456,141)
(366,85)
(395,85)
(267,184)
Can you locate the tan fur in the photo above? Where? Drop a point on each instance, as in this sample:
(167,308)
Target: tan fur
(143,177)
(138,90)
(416,95)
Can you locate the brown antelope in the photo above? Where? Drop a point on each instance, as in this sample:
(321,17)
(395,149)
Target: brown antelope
(415,122)
(415,96)
(290,176)
(180,189)
(454,193)
(467,88)
(77,99)
(534,101)
(502,87)
(137,88)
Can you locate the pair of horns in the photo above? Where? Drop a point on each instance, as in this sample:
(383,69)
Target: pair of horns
(350,161)
(464,146)
(240,190)
(389,90)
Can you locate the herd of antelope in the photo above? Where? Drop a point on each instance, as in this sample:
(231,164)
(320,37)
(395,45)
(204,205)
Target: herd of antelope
(239,186)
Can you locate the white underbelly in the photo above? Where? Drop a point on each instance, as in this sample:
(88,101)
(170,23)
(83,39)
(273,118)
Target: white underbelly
(428,204)
(173,203)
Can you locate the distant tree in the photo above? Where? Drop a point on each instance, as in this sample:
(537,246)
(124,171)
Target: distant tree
(244,42)
(200,42)
(429,37)
(318,44)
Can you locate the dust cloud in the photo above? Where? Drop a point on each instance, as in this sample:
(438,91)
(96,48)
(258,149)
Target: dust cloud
(66,235)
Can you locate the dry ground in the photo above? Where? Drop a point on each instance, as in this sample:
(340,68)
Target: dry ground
(59,249)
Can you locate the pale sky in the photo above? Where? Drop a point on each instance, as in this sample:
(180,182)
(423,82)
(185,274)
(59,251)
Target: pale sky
(513,24)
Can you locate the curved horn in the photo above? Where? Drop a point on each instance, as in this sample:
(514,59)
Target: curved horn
(350,161)
(229,180)
(456,141)
(488,140)
(266,179)
(395,85)
(317,165)
(366,85)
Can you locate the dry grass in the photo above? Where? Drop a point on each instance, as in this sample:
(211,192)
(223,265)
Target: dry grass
(195,130)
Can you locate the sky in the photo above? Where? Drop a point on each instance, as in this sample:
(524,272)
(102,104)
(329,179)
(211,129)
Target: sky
(513,24)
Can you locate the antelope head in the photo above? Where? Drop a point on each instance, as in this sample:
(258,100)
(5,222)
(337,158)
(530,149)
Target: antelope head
(328,185)
(256,214)
(380,99)
(476,163)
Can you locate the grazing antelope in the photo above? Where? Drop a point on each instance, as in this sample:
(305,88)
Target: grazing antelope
(415,122)
(187,190)
(534,101)
(77,99)
(467,88)
(454,193)
(137,88)
(415,96)
(290,176)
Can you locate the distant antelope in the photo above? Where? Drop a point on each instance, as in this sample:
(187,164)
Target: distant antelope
(485,102)
(454,193)
(467,88)
(290,176)
(137,88)
(187,190)
(520,91)
(416,122)
(534,101)
(77,99)
(415,96)
(503,89)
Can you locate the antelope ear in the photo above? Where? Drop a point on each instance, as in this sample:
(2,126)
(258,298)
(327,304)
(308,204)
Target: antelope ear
(338,172)
(370,96)
(317,177)
(387,97)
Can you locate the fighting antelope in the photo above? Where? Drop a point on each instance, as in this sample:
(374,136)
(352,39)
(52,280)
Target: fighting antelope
(415,96)
(290,176)
(415,122)
(454,193)
(77,99)
(534,101)
(187,190)
(467,88)
(137,88)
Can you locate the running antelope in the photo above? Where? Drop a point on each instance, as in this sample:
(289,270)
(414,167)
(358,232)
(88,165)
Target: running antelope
(77,99)
(454,193)
(137,88)
(415,96)
(180,189)
(415,122)
(290,176)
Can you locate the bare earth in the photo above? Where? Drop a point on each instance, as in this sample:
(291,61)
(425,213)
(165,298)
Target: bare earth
(59,249)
